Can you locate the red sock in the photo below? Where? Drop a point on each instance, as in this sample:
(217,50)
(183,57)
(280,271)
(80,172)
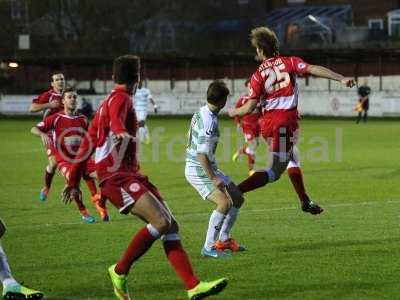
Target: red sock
(296,178)
(91,184)
(258,179)
(139,245)
(48,178)
(181,263)
(80,205)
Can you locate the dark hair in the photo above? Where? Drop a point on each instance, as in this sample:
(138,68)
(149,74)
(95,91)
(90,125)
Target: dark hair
(247,82)
(126,69)
(68,89)
(217,92)
(56,72)
(265,39)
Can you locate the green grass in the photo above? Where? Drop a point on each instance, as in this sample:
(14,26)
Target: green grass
(349,252)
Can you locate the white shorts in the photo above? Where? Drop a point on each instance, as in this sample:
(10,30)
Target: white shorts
(198,178)
(141,115)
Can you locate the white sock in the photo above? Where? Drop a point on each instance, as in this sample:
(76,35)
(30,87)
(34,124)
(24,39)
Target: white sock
(146,132)
(5,272)
(214,226)
(141,134)
(228,223)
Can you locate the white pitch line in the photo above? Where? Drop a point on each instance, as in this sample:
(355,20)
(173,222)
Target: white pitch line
(244,211)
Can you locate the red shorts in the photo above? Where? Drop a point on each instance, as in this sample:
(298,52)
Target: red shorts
(124,190)
(251,131)
(278,129)
(65,168)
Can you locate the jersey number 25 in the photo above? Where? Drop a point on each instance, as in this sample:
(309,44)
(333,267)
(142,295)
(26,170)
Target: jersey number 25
(276,79)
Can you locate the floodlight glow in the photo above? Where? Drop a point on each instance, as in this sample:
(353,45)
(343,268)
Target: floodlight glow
(312,18)
(13,65)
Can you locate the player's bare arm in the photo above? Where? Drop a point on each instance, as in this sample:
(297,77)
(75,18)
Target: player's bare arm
(323,72)
(246,109)
(45,138)
(154,105)
(205,163)
(36,107)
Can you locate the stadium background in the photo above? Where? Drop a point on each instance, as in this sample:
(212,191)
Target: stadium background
(186,45)
(349,252)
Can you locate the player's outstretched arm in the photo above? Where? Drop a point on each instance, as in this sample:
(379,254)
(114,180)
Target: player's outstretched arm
(246,109)
(45,138)
(154,105)
(320,71)
(36,107)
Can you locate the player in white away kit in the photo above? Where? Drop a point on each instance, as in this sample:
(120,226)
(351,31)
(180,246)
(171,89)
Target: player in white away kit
(141,102)
(12,290)
(202,172)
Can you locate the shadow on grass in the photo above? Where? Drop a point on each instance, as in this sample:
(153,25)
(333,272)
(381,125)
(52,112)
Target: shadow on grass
(336,289)
(154,290)
(308,246)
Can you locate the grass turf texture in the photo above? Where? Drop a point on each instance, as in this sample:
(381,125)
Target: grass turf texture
(349,252)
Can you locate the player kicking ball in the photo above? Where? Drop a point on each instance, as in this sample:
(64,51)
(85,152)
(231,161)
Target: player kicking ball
(12,290)
(202,172)
(112,136)
(274,86)
(67,129)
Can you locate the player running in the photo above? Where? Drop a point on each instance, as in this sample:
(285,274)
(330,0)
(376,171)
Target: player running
(274,86)
(251,131)
(202,172)
(50,103)
(12,290)
(112,136)
(67,129)
(141,102)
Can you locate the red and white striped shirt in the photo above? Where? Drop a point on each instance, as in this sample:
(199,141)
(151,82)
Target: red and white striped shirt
(274,83)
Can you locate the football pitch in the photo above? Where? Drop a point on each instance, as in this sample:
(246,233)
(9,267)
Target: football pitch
(351,251)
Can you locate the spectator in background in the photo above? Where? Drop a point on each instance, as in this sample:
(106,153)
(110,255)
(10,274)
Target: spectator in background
(363,101)
(86,108)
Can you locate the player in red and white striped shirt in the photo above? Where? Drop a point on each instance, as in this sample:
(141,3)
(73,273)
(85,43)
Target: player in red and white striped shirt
(274,86)
(50,102)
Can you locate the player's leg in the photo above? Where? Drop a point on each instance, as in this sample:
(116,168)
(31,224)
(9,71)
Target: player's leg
(49,174)
(147,138)
(296,177)
(11,288)
(64,168)
(197,177)
(251,153)
(182,266)
(180,261)
(365,115)
(129,195)
(280,146)
(225,240)
(95,197)
(359,117)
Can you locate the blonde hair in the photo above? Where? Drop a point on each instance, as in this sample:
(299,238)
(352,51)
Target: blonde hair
(265,39)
